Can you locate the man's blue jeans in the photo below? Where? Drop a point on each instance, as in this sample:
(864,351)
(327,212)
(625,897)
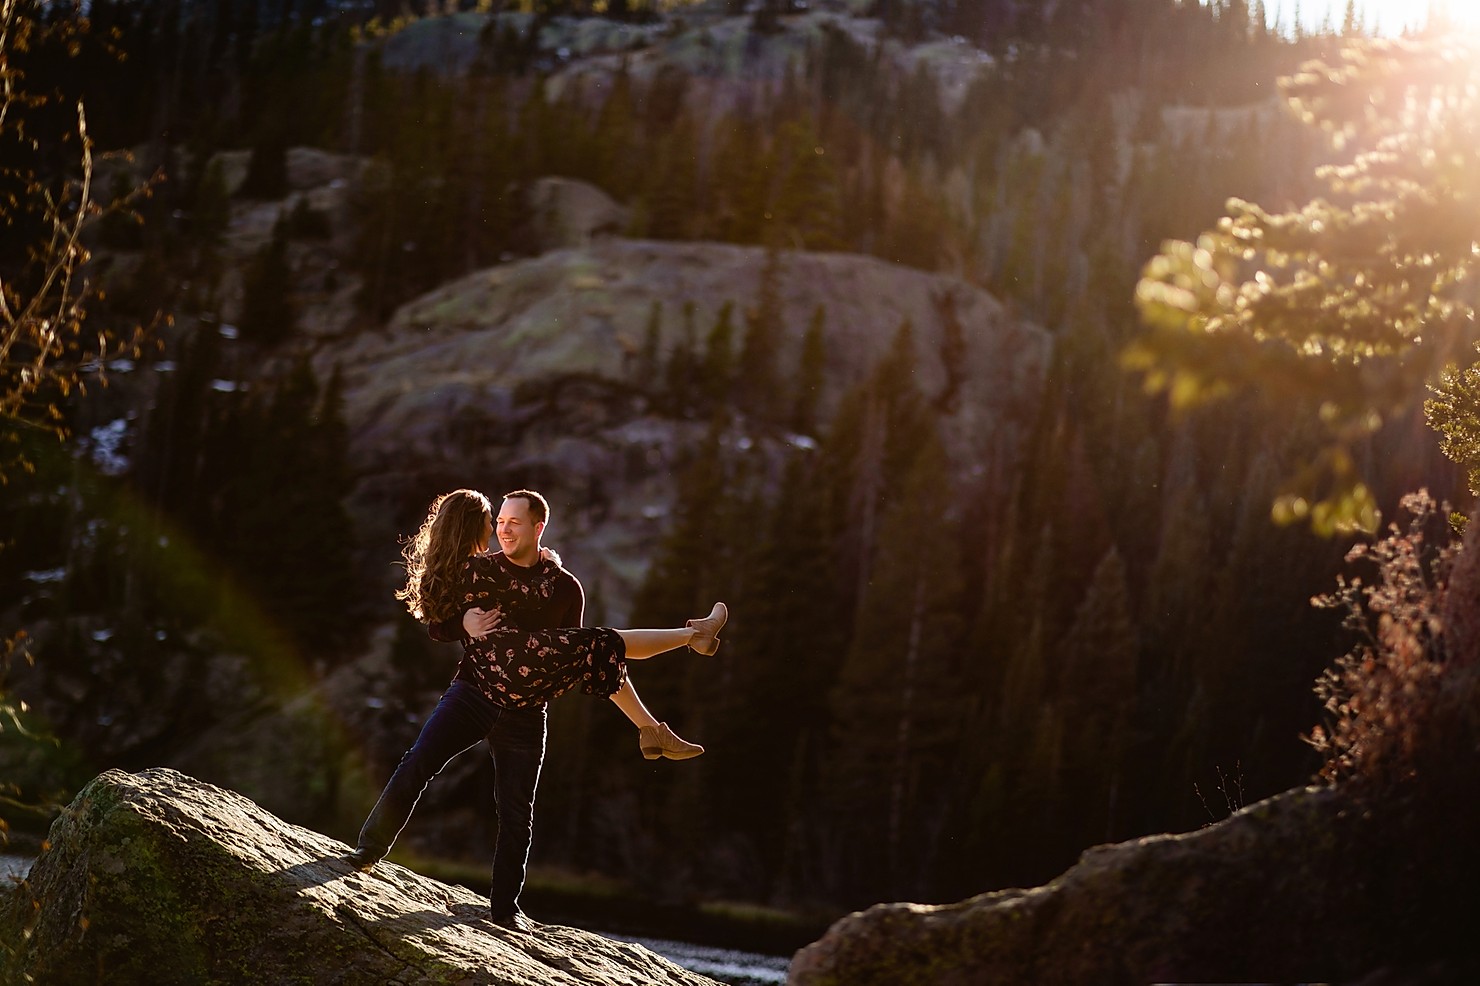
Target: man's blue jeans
(516,739)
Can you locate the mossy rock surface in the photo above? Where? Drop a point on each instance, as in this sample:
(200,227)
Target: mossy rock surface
(156,877)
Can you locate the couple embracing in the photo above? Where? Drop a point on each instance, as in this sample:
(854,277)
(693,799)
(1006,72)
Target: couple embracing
(518,613)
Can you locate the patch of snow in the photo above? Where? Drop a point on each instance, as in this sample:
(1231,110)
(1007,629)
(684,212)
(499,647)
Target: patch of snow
(103,447)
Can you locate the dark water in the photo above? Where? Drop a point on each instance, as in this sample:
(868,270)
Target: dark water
(16,866)
(724,964)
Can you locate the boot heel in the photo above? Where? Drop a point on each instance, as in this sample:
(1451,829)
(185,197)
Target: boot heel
(663,742)
(706,631)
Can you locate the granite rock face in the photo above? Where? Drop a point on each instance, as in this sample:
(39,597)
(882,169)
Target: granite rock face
(156,877)
(1304,886)
(533,373)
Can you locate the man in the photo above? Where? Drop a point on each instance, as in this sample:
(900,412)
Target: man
(515,736)
(537,594)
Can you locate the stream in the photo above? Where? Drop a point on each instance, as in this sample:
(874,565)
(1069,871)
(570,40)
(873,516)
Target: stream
(726,965)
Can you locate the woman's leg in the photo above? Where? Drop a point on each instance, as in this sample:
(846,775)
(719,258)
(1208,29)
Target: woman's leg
(655,738)
(631,705)
(642,644)
(702,635)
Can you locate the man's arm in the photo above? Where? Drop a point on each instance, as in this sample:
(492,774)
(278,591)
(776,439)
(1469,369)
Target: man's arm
(575,607)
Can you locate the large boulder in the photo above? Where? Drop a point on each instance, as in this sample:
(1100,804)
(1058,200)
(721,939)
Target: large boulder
(533,374)
(571,213)
(156,877)
(1303,886)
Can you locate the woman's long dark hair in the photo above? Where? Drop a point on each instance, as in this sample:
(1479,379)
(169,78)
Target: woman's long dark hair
(435,554)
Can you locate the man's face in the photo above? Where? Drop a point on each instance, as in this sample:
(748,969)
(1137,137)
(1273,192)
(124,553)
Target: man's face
(518,534)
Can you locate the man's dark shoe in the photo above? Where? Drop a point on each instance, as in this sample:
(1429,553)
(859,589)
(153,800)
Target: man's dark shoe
(363,859)
(517,921)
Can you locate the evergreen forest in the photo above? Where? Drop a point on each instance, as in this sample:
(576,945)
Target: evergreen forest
(942,677)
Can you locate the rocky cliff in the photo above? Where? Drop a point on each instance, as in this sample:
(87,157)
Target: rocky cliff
(155,877)
(532,373)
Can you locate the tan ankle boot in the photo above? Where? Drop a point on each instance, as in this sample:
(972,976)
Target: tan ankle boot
(706,631)
(660,741)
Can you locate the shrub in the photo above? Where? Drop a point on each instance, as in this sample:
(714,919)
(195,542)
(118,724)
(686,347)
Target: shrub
(1386,697)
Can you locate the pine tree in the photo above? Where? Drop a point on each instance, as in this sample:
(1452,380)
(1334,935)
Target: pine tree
(683,365)
(756,370)
(615,138)
(650,359)
(687,564)
(672,193)
(1022,268)
(212,211)
(719,355)
(268,316)
(289,535)
(1101,653)
(952,352)
(267,168)
(808,208)
(811,370)
(896,725)
(786,653)
(168,470)
(873,439)
(744,169)
(499,219)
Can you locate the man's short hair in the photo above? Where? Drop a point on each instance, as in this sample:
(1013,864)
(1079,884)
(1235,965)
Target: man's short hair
(538,508)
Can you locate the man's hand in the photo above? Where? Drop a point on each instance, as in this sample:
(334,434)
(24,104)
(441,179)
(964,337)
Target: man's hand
(478,621)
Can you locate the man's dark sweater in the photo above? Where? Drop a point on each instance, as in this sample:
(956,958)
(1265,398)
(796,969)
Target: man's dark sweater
(542,596)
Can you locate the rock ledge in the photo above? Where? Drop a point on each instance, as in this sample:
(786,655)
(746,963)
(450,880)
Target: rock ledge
(156,877)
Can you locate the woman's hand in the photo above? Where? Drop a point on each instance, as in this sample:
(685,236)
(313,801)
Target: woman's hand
(549,554)
(477,622)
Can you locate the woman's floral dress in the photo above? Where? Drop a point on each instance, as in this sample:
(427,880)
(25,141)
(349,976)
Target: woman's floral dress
(516,668)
